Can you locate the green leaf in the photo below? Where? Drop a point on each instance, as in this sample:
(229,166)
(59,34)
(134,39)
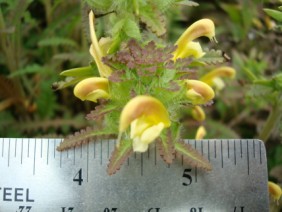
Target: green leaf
(277,15)
(83,136)
(29,69)
(188,3)
(67,82)
(168,75)
(57,41)
(100,5)
(166,149)
(131,29)
(154,20)
(212,57)
(79,72)
(191,156)
(119,155)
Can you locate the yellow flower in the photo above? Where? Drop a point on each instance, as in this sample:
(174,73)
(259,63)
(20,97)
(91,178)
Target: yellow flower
(203,27)
(198,92)
(95,49)
(213,78)
(147,117)
(92,89)
(274,190)
(201,133)
(198,113)
(191,49)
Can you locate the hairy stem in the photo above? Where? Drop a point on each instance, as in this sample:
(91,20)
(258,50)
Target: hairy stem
(271,121)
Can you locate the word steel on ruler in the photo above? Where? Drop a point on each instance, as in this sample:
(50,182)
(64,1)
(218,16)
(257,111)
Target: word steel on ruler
(36,177)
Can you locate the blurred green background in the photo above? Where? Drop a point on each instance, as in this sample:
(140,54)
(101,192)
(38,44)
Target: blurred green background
(40,38)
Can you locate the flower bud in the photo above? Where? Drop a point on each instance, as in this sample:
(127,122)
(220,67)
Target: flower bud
(224,71)
(92,89)
(193,49)
(201,133)
(95,49)
(274,190)
(198,92)
(198,113)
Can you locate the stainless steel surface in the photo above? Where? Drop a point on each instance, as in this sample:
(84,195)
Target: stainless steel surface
(35,177)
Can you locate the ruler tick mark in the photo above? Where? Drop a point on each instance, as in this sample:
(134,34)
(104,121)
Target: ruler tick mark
(196,173)
(2,148)
(108,152)
(34,157)
(80,151)
(48,151)
(9,145)
(101,152)
(60,159)
(74,155)
(221,153)
(241,148)
(16,147)
(141,164)
(254,149)
(234,152)
(54,149)
(260,159)
(155,154)
(209,150)
(87,161)
(202,148)
(248,162)
(228,155)
(214,148)
(22,152)
(28,141)
(41,148)
(94,150)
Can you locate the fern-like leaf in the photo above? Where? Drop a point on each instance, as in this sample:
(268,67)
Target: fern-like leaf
(83,136)
(119,155)
(166,149)
(191,156)
(188,3)
(154,21)
(213,57)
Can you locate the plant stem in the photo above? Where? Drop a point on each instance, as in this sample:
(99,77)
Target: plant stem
(271,121)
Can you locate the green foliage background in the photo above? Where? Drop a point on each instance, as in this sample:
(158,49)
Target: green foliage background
(40,38)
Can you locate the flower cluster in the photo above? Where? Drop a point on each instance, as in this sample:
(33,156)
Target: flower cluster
(147,88)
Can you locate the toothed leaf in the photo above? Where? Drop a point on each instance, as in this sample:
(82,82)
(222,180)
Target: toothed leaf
(119,155)
(188,3)
(191,156)
(166,149)
(154,21)
(83,136)
(212,57)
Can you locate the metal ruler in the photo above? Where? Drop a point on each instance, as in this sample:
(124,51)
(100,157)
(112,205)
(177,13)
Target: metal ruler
(35,177)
